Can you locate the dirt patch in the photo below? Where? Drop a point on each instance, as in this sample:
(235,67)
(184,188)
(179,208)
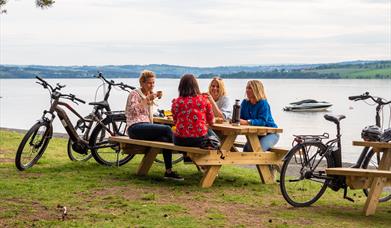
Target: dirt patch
(198,205)
(6,155)
(17,210)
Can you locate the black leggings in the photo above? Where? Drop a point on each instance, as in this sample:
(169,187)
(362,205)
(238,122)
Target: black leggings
(153,132)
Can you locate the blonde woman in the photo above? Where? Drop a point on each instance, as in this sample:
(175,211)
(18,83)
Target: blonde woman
(139,119)
(218,98)
(255,110)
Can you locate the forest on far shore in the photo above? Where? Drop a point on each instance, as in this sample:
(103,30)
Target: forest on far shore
(343,70)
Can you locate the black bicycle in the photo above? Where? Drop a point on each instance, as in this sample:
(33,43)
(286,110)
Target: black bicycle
(303,179)
(85,125)
(36,140)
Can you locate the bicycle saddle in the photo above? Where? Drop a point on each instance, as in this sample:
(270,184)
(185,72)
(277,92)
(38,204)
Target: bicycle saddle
(103,104)
(334,118)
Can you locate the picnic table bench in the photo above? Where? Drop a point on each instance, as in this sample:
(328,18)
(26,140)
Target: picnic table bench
(212,160)
(375,179)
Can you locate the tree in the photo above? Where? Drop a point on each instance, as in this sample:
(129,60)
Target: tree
(43,4)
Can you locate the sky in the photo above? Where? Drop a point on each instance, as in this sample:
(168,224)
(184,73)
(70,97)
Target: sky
(195,33)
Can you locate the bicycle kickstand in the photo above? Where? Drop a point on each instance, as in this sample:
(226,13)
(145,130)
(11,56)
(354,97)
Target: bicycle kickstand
(345,192)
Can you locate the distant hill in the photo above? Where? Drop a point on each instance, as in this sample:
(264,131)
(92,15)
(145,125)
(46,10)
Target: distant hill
(353,69)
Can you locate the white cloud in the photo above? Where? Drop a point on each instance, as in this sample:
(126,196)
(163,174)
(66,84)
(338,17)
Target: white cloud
(197,33)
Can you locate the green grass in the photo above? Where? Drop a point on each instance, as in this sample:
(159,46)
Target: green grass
(115,197)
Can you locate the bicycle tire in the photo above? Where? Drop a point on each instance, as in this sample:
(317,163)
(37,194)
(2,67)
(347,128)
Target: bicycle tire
(297,162)
(75,156)
(106,152)
(37,145)
(370,162)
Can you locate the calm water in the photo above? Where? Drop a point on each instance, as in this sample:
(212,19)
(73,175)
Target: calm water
(23,101)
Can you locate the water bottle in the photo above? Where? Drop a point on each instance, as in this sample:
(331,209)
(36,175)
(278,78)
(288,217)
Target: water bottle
(236,113)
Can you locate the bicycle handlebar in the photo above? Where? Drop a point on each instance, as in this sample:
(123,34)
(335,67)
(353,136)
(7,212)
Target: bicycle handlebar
(360,97)
(79,100)
(121,85)
(72,97)
(380,101)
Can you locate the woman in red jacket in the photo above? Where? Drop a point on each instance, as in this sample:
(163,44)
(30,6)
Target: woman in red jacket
(192,113)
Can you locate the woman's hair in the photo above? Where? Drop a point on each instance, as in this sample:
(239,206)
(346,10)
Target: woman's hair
(188,86)
(145,75)
(220,82)
(258,90)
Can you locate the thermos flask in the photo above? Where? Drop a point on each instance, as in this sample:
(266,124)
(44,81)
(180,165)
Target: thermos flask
(236,113)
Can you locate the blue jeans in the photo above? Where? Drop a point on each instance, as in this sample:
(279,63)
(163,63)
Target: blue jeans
(267,142)
(153,132)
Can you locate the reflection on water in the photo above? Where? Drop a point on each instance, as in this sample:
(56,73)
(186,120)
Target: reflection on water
(23,101)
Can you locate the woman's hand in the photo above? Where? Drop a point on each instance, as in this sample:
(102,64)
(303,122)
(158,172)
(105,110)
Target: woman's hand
(208,96)
(243,122)
(151,96)
(148,100)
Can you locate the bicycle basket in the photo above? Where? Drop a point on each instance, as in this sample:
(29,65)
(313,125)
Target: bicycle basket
(371,133)
(386,136)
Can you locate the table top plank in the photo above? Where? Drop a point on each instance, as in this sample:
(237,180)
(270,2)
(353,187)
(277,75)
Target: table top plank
(229,129)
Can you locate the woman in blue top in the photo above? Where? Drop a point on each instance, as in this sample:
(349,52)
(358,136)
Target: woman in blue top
(255,110)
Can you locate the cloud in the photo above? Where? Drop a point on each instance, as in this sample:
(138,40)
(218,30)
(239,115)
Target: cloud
(202,33)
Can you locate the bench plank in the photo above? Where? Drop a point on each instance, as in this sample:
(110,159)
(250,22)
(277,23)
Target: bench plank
(163,145)
(358,172)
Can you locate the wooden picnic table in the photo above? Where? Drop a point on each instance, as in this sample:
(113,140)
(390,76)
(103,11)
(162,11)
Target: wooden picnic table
(376,180)
(228,154)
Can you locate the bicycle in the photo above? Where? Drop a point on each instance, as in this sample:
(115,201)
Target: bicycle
(37,138)
(303,179)
(99,110)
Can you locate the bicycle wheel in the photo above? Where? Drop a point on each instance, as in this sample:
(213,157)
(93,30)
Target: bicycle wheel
(302,178)
(106,152)
(176,158)
(33,145)
(74,155)
(372,161)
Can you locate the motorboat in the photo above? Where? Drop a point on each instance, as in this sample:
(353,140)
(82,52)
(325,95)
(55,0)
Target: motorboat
(307,105)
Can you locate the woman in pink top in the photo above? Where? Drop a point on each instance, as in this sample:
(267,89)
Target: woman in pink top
(139,119)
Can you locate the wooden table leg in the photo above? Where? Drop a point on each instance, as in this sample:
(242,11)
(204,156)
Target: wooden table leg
(147,161)
(377,186)
(266,174)
(209,176)
(227,142)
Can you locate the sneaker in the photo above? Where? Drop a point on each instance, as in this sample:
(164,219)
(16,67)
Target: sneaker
(173,176)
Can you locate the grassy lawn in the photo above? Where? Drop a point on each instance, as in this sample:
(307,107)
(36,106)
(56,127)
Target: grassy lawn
(114,197)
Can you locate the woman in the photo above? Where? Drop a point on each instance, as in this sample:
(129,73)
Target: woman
(139,119)
(191,112)
(218,98)
(255,110)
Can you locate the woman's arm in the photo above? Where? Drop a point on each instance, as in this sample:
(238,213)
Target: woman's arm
(262,111)
(174,110)
(135,104)
(215,108)
(225,107)
(210,118)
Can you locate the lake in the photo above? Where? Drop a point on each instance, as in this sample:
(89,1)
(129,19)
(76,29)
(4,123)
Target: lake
(23,101)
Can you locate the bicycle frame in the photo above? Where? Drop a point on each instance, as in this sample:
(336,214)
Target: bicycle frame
(65,121)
